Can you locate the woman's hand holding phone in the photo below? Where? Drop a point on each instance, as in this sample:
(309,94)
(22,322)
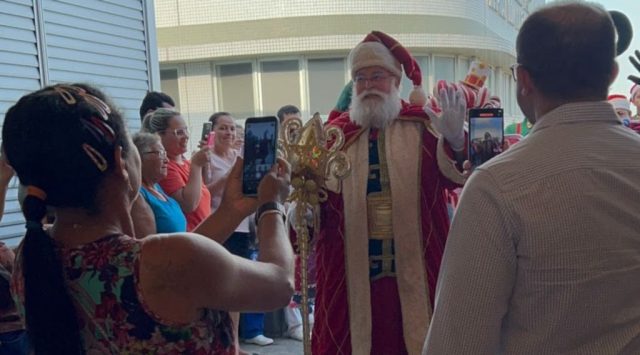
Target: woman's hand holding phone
(201,157)
(273,187)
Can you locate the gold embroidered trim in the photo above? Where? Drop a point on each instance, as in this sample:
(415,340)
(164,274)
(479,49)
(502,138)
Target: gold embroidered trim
(384,261)
(379,219)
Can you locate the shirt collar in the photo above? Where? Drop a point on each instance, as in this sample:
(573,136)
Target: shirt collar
(576,112)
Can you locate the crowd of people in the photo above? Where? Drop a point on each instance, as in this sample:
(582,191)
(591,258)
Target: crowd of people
(153,252)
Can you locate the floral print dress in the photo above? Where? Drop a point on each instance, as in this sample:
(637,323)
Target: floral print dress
(102,277)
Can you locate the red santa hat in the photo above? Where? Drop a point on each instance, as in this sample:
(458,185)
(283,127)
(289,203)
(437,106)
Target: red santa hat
(620,102)
(380,49)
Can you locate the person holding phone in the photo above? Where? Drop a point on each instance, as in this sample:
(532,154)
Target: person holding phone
(224,155)
(542,256)
(184,177)
(86,286)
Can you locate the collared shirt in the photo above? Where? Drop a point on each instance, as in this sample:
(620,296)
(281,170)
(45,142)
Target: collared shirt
(543,256)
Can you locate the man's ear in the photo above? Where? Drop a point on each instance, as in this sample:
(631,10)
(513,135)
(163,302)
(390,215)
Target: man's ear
(526,82)
(120,163)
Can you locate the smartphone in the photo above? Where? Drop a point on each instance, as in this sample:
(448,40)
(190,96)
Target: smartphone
(260,148)
(486,134)
(207,127)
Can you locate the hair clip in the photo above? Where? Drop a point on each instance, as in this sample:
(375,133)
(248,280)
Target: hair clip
(33,225)
(103,128)
(100,106)
(65,94)
(96,157)
(37,192)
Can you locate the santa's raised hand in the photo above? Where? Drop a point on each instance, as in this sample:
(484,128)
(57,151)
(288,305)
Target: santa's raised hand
(447,110)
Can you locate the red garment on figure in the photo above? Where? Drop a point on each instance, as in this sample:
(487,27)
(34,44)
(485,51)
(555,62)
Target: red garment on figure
(177,178)
(331,332)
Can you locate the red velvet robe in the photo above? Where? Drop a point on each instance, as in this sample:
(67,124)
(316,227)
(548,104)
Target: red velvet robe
(331,333)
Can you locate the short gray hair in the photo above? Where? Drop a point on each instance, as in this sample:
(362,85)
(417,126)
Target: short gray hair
(158,120)
(143,141)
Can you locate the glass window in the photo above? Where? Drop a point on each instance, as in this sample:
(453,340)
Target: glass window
(513,99)
(169,85)
(505,96)
(326,81)
(236,89)
(463,68)
(280,85)
(444,68)
(488,83)
(406,85)
(425,66)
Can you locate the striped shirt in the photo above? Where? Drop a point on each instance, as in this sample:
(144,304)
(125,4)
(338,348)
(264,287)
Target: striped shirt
(543,256)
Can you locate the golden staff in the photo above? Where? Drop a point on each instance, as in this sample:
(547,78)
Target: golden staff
(315,157)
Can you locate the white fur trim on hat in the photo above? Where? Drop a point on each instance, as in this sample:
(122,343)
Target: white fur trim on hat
(620,102)
(371,54)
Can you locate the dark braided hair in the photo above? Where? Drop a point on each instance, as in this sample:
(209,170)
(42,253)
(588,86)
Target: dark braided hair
(60,140)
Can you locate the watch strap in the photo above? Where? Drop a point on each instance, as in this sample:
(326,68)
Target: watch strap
(271,207)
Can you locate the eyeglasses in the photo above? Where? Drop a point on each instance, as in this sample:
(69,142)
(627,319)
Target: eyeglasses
(179,132)
(375,79)
(514,71)
(162,154)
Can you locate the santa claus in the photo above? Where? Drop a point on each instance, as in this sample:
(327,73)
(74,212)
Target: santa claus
(623,110)
(384,227)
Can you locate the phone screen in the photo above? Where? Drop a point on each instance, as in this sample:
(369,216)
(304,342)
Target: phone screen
(260,146)
(206,129)
(486,134)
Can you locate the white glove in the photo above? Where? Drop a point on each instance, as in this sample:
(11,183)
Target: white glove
(450,120)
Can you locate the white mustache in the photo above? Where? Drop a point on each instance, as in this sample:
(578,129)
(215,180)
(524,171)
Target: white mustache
(370,92)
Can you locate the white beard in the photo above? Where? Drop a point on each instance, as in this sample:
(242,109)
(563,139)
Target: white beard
(375,112)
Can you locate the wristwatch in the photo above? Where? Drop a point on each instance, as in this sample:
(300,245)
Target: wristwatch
(270,207)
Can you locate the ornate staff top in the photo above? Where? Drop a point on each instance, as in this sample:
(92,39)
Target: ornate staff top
(314,154)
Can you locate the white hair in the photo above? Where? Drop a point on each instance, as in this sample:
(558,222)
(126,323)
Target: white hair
(368,111)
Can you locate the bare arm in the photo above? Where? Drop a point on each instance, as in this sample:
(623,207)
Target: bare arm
(180,274)
(189,272)
(144,222)
(189,196)
(216,185)
(235,207)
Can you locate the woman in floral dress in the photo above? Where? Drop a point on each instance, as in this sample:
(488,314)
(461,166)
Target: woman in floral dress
(87,286)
